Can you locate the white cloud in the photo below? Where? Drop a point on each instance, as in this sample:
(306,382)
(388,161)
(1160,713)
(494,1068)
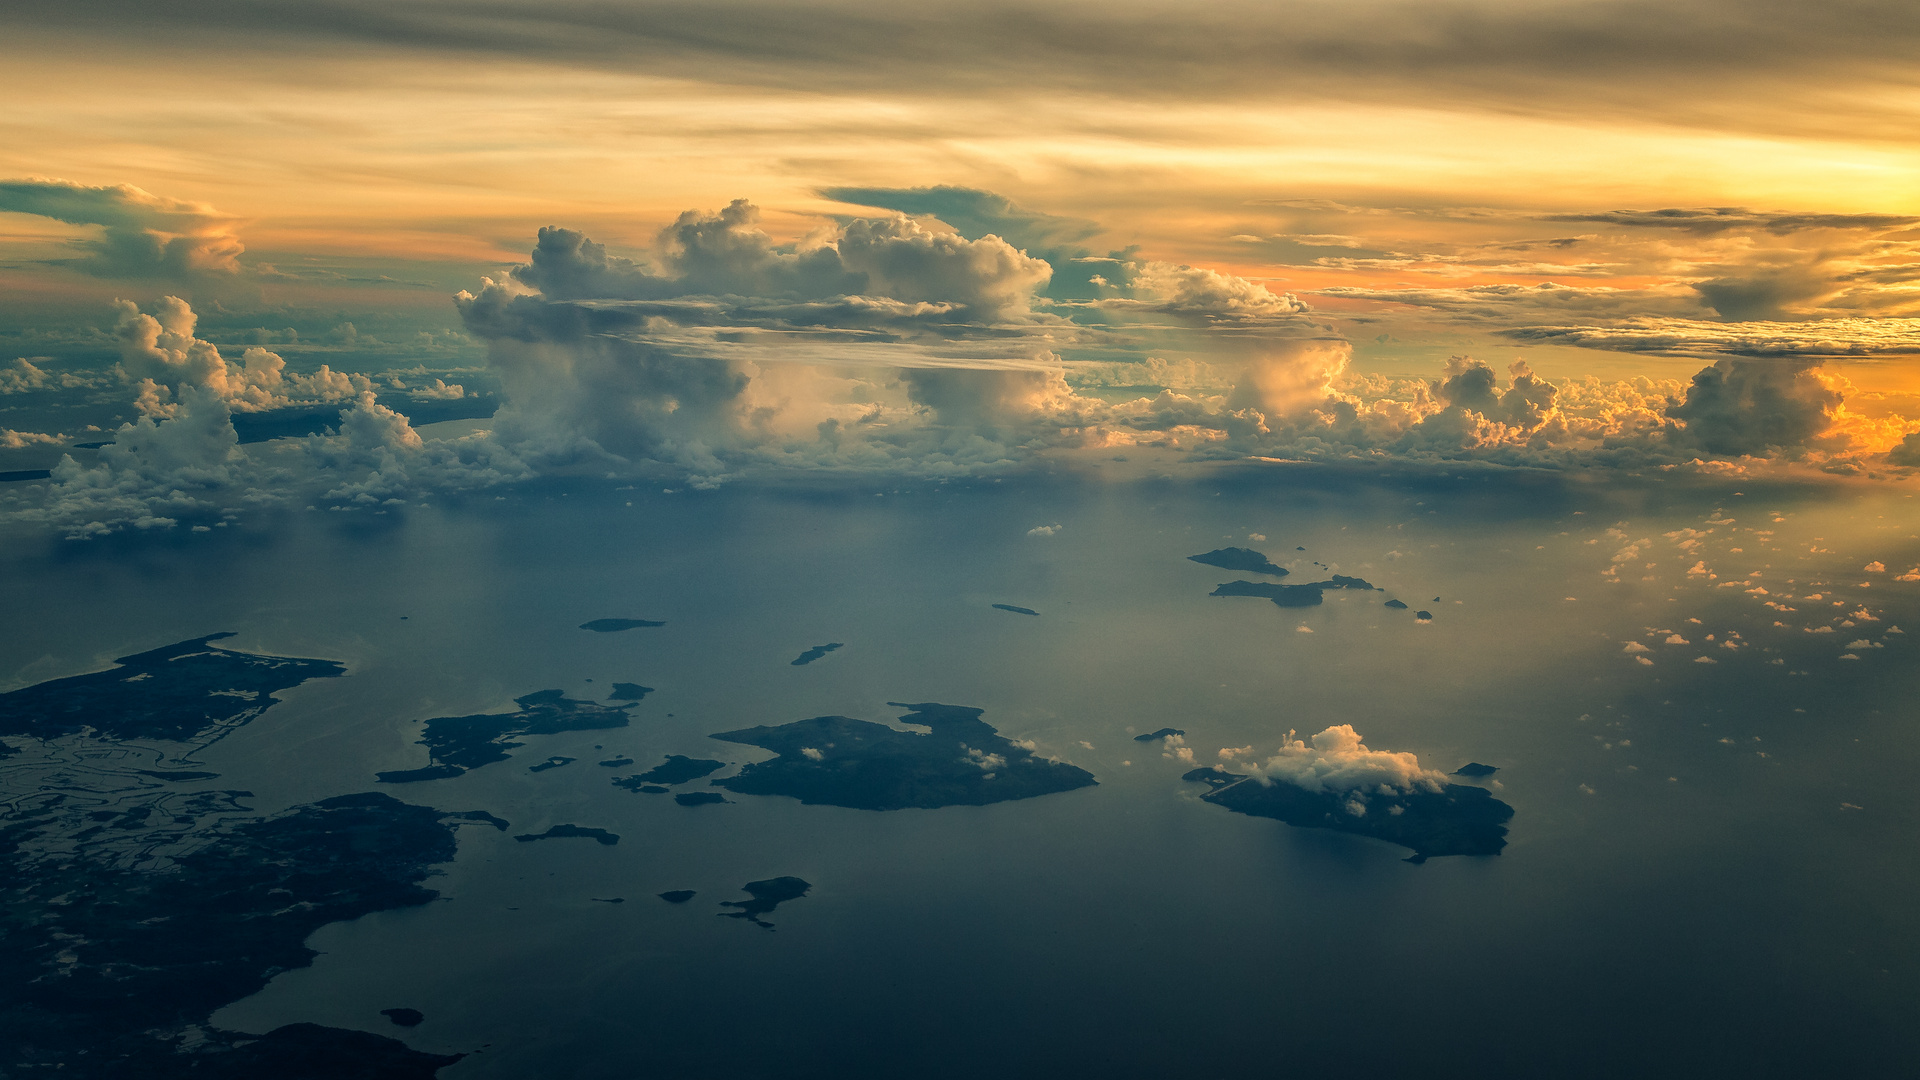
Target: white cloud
(1337,761)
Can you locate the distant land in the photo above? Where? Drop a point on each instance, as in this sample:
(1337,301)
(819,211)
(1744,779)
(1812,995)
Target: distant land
(1245,560)
(1457,820)
(458,743)
(1396,604)
(557,832)
(626,691)
(767,895)
(613,626)
(815,653)
(1161,734)
(840,761)
(1475,769)
(1016,609)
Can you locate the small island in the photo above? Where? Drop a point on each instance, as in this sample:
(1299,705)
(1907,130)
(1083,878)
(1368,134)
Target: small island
(1245,560)
(404,1017)
(626,691)
(614,626)
(1016,609)
(1308,594)
(677,896)
(767,895)
(458,743)
(1475,770)
(551,763)
(1456,820)
(840,761)
(1397,605)
(1161,734)
(698,798)
(676,769)
(558,832)
(815,653)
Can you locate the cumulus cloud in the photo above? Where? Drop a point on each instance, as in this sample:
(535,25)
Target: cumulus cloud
(1750,406)
(1336,760)
(142,235)
(153,472)
(160,351)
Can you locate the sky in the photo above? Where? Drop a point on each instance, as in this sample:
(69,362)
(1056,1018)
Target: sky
(1299,199)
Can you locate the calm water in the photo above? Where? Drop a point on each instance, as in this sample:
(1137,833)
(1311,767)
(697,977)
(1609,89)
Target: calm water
(1684,891)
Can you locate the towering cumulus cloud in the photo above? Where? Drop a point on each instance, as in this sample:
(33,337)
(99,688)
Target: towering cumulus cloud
(142,235)
(160,353)
(1755,406)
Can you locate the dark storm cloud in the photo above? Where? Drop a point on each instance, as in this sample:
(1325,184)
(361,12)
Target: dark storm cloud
(1710,61)
(143,235)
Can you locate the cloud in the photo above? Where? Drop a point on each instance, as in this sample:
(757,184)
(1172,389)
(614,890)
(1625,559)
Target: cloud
(161,351)
(153,472)
(143,235)
(1820,337)
(1751,406)
(1727,219)
(1337,761)
(1290,378)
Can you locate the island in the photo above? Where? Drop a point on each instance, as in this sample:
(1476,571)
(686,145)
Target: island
(1397,605)
(676,769)
(698,798)
(114,965)
(1017,609)
(839,761)
(404,1017)
(1245,560)
(1475,769)
(815,653)
(617,763)
(1161,734)
(187,691)
(677,896)
(557,832)
(551,763)
(458,743)
(767,895)
(626,691)
(1423,616)
(614,626)
(1456,820)
(1308,594)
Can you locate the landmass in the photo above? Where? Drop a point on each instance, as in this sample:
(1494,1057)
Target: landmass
(1457,820)
(699,798)
(551,763)
(404,1017)
(614,626)
(616,763)
(815,653)
(1161,734)
(13,475)
(767,895)
(1016,609)
(676,769)
(1423,616)
(458,743)
(677,896)
(1397,605)
(1307,594)
(110,966)
(558,832)
(186,691)
(1245,560)
(1475,769)
(626,691)
(840,761)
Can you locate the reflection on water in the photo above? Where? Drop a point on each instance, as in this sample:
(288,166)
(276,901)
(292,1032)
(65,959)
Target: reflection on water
(1708,860)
